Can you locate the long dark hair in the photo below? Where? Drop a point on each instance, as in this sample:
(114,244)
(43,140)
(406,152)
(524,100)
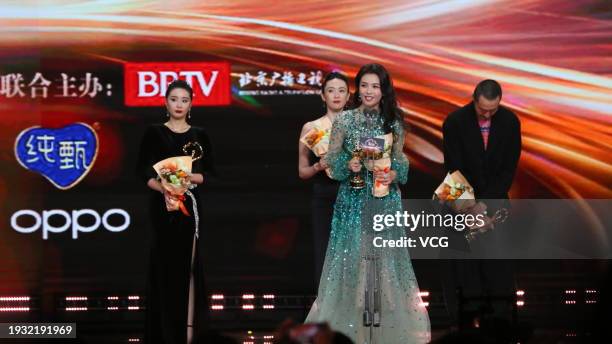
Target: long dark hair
(388,103)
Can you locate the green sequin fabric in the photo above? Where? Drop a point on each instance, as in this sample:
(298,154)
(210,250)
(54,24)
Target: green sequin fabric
(341,296)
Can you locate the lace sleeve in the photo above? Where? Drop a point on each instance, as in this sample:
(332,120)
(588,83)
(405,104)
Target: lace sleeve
(399,161)
(337,157)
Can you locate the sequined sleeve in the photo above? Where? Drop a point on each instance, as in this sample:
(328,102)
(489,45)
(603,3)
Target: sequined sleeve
(337,157)
(399,161)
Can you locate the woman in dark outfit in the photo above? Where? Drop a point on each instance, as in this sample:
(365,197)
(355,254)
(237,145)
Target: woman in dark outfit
(335,94)
(176,297)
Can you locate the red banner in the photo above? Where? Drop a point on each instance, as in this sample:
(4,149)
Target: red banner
(146,83)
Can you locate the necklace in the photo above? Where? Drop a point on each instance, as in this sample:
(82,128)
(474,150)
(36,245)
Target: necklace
(177,130)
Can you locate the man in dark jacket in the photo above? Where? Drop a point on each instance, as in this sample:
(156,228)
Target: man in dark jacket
(483,141)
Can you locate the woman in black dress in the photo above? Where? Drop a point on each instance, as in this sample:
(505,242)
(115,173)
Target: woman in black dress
(176,297)
(335,94)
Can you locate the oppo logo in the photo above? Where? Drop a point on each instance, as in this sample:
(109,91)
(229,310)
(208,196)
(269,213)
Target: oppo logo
(77,221)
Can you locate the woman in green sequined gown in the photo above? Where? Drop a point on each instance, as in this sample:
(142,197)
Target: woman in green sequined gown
(341,299)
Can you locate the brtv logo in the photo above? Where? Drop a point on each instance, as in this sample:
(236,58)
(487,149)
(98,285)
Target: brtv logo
(146,83)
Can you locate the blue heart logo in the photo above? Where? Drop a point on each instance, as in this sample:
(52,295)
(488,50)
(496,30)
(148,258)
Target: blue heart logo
(64,155)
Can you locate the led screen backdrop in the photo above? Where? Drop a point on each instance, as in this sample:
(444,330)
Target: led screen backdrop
(81,80)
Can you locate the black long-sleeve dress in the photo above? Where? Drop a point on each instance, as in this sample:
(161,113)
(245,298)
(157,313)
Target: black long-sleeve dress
(172,242)
(324,192)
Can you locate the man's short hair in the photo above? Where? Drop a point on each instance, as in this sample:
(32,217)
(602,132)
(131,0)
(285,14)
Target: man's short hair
(490,89)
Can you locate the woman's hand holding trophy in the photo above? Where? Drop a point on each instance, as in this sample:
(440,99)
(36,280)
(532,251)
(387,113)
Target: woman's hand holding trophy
(357,181)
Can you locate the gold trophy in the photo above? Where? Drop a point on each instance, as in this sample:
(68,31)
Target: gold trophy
(194,150)
(357,181)
(499,217)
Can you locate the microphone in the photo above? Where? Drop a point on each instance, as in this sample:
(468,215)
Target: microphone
(370,112)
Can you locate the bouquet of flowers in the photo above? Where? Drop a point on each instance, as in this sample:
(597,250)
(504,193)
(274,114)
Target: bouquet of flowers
(384,164)
(457,191)
(378,158)
(174,174)
(459,194)
(317,138)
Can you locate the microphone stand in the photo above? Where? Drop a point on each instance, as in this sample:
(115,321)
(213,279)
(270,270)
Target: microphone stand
(372,297)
